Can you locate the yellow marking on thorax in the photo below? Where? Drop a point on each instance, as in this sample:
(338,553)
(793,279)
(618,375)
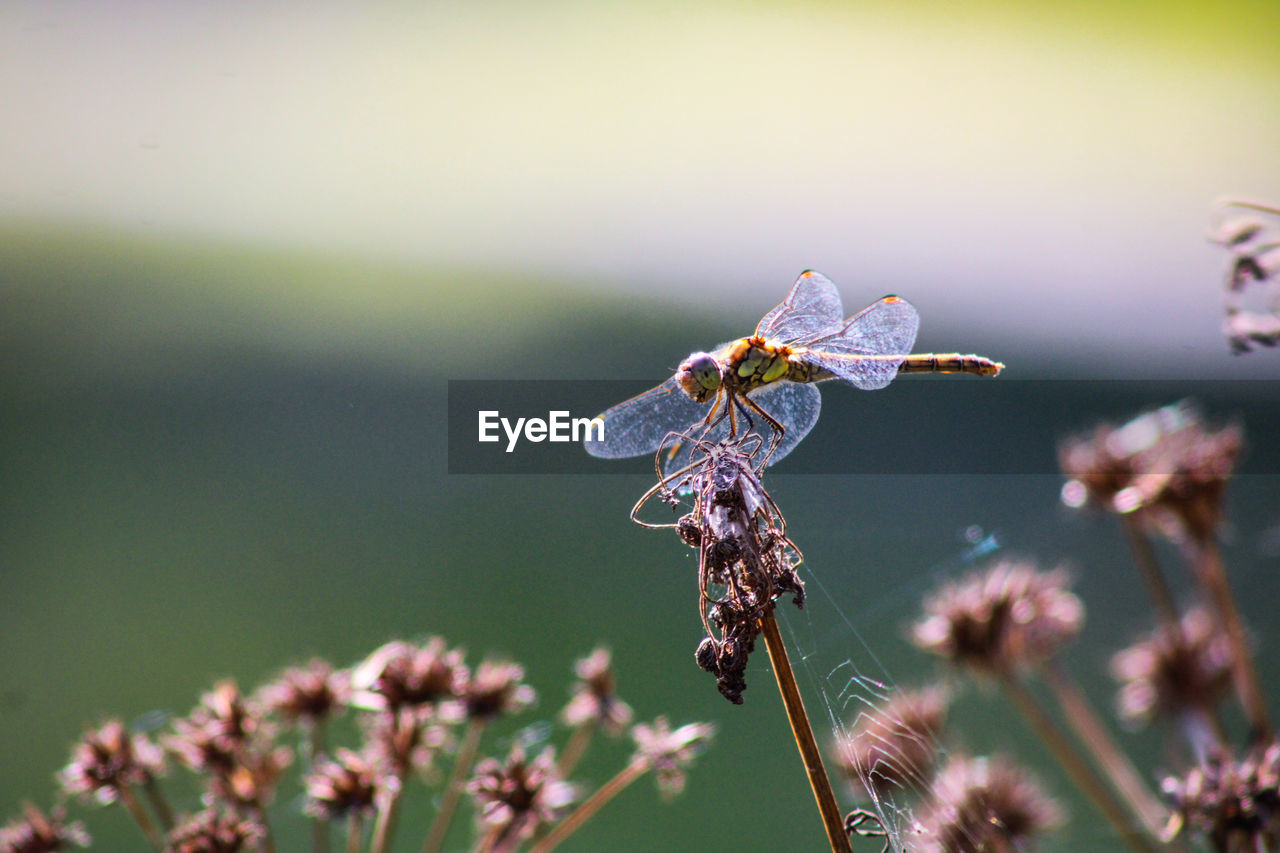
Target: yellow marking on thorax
(755,362)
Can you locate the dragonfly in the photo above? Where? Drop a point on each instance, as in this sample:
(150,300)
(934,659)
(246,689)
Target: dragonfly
(771,375)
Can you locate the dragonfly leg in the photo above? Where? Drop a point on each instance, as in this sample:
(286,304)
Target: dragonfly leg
(778,429)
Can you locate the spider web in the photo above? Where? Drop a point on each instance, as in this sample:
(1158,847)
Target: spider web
(852,689)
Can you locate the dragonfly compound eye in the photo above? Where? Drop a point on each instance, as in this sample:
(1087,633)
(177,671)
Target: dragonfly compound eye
(699,376)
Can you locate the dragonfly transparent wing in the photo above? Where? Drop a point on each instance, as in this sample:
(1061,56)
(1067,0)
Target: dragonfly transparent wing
(638,426)
(794,406)
(811,310)
(867,350)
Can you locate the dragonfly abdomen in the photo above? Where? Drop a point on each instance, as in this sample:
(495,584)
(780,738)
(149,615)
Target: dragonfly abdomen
(951,362)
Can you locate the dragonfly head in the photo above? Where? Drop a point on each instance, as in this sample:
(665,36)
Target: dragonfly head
(699,376)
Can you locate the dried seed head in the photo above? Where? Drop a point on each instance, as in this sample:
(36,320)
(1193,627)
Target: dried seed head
(212,737)
(595,701)
(1167,466)
(669,752)
(227,738)
(1174,668)
(1233,804)
(400,674)
(341,785)
(1254,252)
(313,692)
(109,759)
(407,741)
(518,798)
(213,831)
(1010,617)
(985,804)
(893,747)
(253,778)
(495,689)
(36,832)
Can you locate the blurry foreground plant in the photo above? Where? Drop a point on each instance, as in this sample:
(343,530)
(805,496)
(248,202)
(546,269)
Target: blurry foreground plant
(412,700)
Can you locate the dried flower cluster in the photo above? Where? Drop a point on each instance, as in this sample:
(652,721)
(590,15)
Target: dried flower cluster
(984,804)
(518,797)
(37,832)
(595,701)
(1234,804)
(1177,667)
(745,560)
(1254,247)
(892,747)
(1166,466)
(412,699)
(109,761)
(1008,618)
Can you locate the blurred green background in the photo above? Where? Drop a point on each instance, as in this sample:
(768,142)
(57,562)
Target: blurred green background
(243,248)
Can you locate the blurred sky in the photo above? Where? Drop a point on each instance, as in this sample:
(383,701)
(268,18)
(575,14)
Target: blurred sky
(1038,175)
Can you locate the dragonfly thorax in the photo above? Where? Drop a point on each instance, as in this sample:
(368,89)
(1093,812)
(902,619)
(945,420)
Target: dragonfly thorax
(753,362)
(700,377)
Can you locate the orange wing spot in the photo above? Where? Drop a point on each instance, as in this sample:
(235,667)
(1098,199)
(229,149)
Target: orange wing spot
(807,274)
(892,299)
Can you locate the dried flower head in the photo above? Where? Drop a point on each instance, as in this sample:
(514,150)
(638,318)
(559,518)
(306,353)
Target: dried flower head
(1174,668)
(984,804)
(36,832)
(893,747)
(1254,247)
(312,692)
(745,560)
(595,701)
(495,689)
(519,798)
(342,785)
(1234,804)
(109,759)
(227,738)
(252,780)
(1166,465)
(213,735)
(669,752)
(400,674)
(213,831)
(407,741)
(1010,617)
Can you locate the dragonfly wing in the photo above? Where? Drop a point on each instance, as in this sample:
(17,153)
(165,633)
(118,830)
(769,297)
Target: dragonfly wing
(795,406)
(867,350)
(811,309)
(638,426)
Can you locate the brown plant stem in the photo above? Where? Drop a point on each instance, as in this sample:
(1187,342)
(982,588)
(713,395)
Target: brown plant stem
(388,812)
(453,789)
(1212,575)
(803,733)
(587,809)
(1084,776)
(575,748)
(159,804)
(319,825)
(355,829)
(140,816)
(1145,558)
(1091,732)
